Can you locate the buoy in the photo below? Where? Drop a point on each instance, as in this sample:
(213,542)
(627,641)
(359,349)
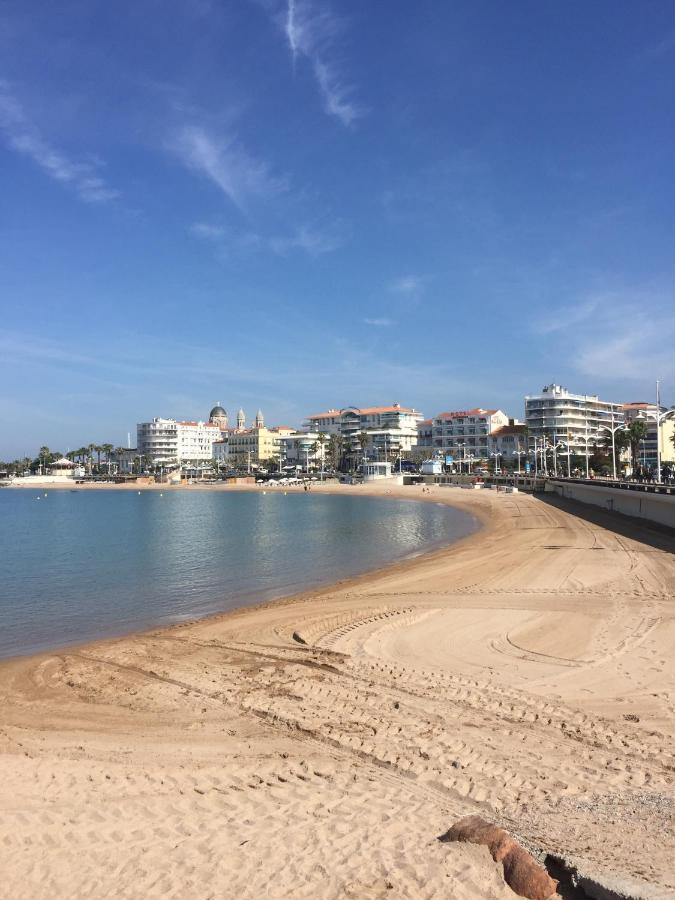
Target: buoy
(139,492)
(264,492)
(45,494)
(161,495)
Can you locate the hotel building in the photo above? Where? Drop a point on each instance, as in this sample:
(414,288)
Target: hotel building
(391,430)
(578,420)
(465,433)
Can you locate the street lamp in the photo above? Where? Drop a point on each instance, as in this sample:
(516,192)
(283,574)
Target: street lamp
(558,445)
(658,417)
(519,453)
(613,430)
(585,438)
(496,456)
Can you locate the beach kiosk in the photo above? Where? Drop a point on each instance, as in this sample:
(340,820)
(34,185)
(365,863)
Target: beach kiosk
(380,471)
(62,468)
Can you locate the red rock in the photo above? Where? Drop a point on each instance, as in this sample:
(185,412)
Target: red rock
(522,872)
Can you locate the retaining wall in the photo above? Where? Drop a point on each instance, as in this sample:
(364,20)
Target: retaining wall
(659,508)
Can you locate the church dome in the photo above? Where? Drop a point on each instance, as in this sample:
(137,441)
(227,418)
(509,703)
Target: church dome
(217,413)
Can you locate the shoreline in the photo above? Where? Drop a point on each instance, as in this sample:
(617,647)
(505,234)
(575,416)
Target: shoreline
(524,672)
(306,595)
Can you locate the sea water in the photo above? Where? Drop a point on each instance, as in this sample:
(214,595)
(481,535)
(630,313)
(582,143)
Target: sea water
(80,565)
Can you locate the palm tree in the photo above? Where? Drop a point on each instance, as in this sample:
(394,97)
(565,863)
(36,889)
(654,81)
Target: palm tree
(322,440)
(335,448)
(107,449)
(637,431)
(364,440)
(89,450)
(44,455)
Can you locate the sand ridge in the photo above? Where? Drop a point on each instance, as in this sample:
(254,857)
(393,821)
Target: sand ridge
(318,747)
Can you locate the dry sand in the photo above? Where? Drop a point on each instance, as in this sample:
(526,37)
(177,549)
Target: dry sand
(525,674)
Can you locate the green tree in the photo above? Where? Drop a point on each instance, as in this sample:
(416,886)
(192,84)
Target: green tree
(44,458)
(621,443)
(637,431)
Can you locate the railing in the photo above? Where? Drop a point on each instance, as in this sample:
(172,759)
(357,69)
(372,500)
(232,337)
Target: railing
(645,487)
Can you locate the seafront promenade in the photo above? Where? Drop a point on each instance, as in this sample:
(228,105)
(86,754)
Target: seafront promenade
(318,746)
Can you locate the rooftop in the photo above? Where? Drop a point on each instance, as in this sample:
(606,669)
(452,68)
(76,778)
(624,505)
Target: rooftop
(462,414)
(365,410)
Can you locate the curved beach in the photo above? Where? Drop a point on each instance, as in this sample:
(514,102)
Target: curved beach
(318,746)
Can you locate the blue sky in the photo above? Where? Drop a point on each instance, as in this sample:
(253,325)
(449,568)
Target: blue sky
(303,204)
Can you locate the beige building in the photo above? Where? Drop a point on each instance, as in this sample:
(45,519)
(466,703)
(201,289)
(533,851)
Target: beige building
(465,434)
(646,412)
(248,448)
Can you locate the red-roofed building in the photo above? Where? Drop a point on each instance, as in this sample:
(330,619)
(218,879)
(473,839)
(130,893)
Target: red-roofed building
(390,430)
(464,433)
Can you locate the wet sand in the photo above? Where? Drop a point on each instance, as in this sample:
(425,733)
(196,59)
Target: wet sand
(317,746)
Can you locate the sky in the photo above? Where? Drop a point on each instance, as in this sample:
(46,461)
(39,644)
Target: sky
(303,204)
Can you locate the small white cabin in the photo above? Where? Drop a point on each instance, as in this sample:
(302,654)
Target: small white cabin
(375,471)
(432,467)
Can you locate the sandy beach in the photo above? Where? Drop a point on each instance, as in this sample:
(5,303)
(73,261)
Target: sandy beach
(316,747)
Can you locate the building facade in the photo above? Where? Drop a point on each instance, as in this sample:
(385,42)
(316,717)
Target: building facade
(646,412)
(557,416)
(387,431)
(248,448)
(302,449)
(509,444)
(465,434)
(425,434)
(166,442)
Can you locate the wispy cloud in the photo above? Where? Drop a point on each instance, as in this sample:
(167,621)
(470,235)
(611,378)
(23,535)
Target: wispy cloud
(310,240)
(618,336)
(207,232)
(566,317)
(312,31)
(223,160)
(22,135)
(379,323)
(408,285)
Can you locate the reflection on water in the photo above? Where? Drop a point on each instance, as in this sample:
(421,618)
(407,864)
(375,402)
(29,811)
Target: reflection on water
(76,566)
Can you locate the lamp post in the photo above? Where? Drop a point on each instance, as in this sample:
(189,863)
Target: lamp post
(613,430)
(658,417)
(496,459)
(519,453)
(461,461)
(585,438)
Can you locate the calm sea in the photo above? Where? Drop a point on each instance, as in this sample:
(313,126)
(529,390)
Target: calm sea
(75,566)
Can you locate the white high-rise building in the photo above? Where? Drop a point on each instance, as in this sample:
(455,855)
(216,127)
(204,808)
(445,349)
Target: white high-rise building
(558,415)
(168,442)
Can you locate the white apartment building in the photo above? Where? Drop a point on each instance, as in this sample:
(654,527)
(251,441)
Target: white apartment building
(466,433)
(302,449)
(578,420)
(168,442)
(390,429)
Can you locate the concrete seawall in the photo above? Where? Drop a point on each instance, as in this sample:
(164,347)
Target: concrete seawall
(652,507)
